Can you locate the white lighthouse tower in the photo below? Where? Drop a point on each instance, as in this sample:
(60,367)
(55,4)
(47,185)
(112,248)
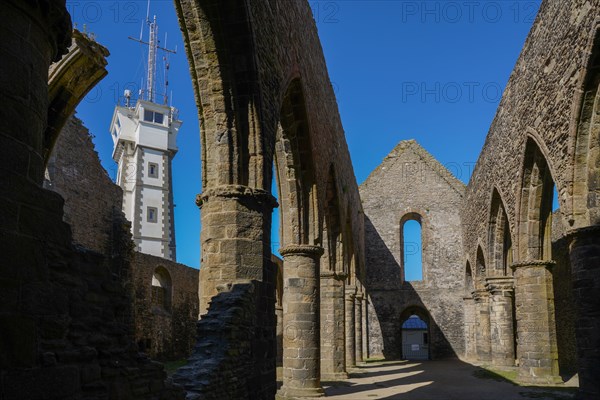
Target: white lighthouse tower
(144,133)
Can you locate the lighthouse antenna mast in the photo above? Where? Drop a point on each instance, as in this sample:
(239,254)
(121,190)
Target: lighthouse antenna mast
(153,47)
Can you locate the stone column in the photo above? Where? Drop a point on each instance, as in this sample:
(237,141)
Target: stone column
(501,320)
(584,252)
(358,320)
(301,322)
(333,357)
(536,331)
(279,334)
(235,238)
(481,298)
(34,33)
(350,330)
(470,329)
(365,327)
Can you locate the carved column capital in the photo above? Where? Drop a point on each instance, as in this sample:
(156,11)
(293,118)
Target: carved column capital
(533,264)
(499,284)
(480,295)
(306,250)
(327,275)
(238,192)
(350,292)
(341,276)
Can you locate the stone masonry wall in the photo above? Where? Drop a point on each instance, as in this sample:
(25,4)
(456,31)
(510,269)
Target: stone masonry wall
(65,315)
(409,181)
(563,300)
(540,100)
(171,333)
(221,364)
(91,198)
(92,203)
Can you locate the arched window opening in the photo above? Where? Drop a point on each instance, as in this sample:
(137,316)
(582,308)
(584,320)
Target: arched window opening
(469,288)
(412,248)
(481,269)
(507,256)
(161,289)
(500,242)
(415,334)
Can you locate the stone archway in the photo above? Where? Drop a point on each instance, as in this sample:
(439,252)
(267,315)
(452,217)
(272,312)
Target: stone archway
(415,333)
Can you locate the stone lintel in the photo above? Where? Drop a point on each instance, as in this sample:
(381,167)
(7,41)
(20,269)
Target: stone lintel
(534,264)
(238,192)
(305,250)
(499,284)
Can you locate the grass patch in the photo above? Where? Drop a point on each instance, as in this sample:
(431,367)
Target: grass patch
(172,366)
(497,375)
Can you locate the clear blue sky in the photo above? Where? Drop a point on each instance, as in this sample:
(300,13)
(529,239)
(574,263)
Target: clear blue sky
(426,70)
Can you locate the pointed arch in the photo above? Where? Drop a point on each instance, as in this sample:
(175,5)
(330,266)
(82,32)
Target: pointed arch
(295,170)
(535,209)
(481,271)
(500,238)
(332,239)
(586,185)
(220,47)
(469,285)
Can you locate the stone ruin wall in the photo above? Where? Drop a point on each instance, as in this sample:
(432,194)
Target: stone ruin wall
(540,100)
(92,200)
(410,180)
(92,204)
(171,333)
(286,47)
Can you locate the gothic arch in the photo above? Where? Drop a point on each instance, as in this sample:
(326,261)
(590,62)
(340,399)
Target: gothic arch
(332,237)
(220,46)
(500,238)
(469,283)
(481,269)
(535,208)
(295,171)
(586,157)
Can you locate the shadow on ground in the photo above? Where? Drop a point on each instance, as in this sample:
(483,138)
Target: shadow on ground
(436,380)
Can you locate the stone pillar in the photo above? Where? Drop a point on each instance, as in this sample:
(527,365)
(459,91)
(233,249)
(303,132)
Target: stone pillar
(235,237)
(333,357)
(365,327)
(501,320)
(358,320)
(482,318)
(34,33)
(470,329)
(350,331)
(584,252)
(279,334)
(301,322)
(536,330)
